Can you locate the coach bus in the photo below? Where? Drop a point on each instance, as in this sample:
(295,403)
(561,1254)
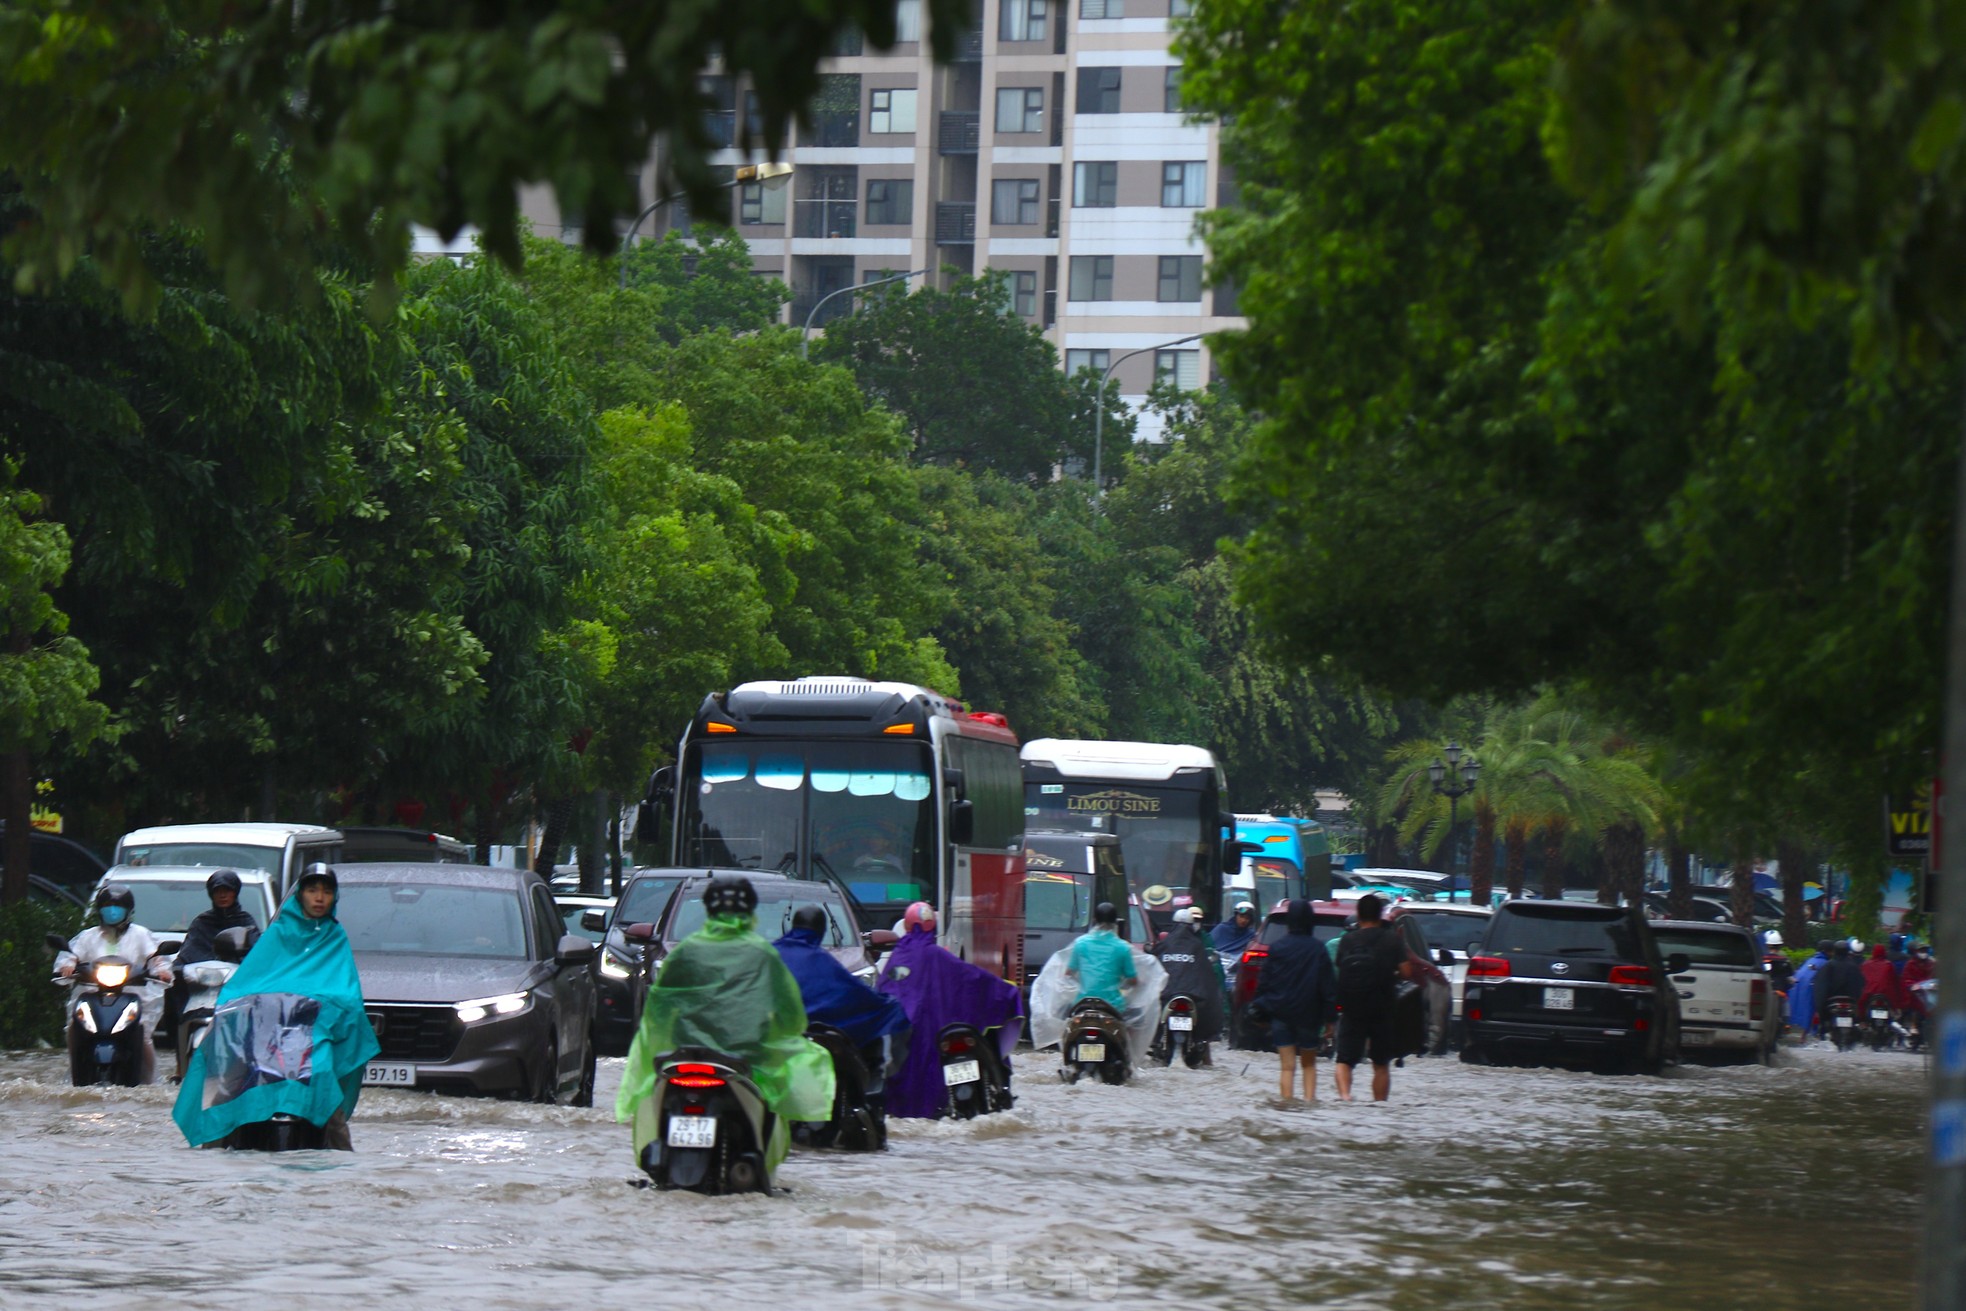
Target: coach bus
(1165,802)
(894,792)
(1292,858)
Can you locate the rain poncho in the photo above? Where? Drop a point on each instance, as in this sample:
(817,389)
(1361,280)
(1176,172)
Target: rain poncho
(1104,963)
(289,1036)
(1802,995)
(937,988)
(1917,970)
(1881,980)
(833,996)
(1228,938)
(1194,971)
(723,988)
(135,944)
(1055,992)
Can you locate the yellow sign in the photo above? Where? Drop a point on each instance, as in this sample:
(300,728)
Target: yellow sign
(1114,802)
(43,815)
(1908,823)
(1040,860)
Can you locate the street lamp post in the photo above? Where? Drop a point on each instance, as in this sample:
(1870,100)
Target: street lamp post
(1438,773)
(805,333)
(772,175)
(1099,407)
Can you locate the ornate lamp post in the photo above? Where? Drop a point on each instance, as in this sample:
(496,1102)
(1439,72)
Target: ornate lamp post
(1467,771)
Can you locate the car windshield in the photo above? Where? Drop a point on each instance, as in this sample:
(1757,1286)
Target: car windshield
(775,910)
(433,919)
(1454,932)
(167,908)
(1057,901)
(572,914)
(205,855)
(1708,948)
(1557,930)
(645,899)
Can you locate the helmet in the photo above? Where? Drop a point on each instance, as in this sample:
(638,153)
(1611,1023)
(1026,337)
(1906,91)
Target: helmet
(1774,938)
(1156,897)
(810,917)
(1105,913)
(1245,907)
(115,904)
(921,916)
(319,872)
(730,894)
(1856,944)
(223,881)
(1188,915)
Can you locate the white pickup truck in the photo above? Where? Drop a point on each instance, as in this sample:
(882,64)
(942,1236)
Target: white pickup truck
(1727,1003)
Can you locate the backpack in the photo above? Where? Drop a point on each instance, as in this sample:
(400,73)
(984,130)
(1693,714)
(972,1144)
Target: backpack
(1366,970)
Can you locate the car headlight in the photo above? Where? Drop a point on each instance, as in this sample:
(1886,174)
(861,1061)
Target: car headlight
(614,966)
(510,1003)
(125,1020)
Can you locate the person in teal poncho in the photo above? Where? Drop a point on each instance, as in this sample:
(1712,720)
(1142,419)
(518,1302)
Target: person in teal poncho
(725,988)
(289,1036)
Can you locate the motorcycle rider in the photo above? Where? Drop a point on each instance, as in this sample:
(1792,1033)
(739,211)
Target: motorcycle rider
(1882,982)
(201,936)
(1841,977)
(725,988)
(937,988)
(874,1023)
(1101,961)
(1232,936)
(1918,969)
(1193,971)
(118,934)
(1802,991)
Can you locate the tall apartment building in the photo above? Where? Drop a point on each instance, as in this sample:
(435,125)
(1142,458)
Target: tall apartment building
(1053,148)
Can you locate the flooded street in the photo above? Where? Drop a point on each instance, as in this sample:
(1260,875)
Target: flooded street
(1474,1187)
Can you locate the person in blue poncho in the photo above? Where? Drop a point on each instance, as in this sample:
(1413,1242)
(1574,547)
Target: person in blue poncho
(1802,991)
(289,1036)
(874,1023)
(1233,936)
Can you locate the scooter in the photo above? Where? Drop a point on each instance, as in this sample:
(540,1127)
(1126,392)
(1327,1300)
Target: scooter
(1095,1043)
(710,1123)
(1879,1030)
(105,1034)
(859,1122)
(1840,1022)
(1175,1035)
(203,981)
(973,1075)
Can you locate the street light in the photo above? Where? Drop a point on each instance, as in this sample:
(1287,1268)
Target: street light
(772,175)
(805,333)
(1099,408)
(1438,775)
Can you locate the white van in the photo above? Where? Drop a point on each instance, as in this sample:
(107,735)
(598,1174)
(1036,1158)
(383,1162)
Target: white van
(281,850)
(169,897)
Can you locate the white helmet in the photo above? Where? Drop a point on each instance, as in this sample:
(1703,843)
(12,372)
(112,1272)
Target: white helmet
(1773,938)
(1857,945)
(1188,915)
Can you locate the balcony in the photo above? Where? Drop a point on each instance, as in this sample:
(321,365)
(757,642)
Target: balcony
(1051,207)
(833,130)
(1050,308)
(969,46)
(955,223)
(823,218)
(958,132)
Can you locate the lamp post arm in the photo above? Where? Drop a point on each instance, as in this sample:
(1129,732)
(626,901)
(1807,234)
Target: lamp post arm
(805,333)
(635,227)
(1099,406)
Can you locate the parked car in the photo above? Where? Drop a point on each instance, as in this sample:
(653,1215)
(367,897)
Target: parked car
(1571,983)
(59,861)
(282,850)
(1727,1003)
(471,982)
(1453,931)
(1705,910)
(618,1010)
(58,895)
(401,846)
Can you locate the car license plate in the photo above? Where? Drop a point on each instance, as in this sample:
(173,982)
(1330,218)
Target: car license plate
(1845,1022)
(956,1072)
(1090,1051)
(1559,999)
(389,1076)
(692,1131)
(1695,1037)
(1180,1023)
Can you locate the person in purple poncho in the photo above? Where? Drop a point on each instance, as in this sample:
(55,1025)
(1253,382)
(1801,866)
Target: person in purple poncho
(937,988)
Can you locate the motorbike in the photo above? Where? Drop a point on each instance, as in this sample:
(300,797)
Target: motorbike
(1840,1022)
(1878,1029)
(1095,1043)
(105,1034)
(973,1074)
(203,980)
(1913,1026)
(1175,1035)
(710,1122)
(859,1122)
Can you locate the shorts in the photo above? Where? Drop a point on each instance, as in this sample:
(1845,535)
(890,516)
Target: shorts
(1360,1032)
(1288,1033)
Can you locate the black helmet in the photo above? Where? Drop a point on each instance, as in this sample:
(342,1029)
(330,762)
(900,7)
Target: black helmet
(223,881)
(115,904)
(730,894)
(810,917)
(1105,913)
(318,872)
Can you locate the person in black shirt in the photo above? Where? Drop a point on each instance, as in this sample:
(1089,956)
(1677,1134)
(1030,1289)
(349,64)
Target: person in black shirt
(201,937)
(1371,962)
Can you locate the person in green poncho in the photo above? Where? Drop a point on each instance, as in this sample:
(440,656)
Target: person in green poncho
(725,988)
(289,1036)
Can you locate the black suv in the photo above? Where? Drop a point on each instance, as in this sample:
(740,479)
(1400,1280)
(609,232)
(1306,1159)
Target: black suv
(1571,983)
(618,1010)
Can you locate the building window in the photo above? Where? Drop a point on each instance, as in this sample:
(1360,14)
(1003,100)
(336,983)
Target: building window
(828,197)
(1078,361)
(1171,101)
(1020,109)
(846,41)
(1182,368)
(1014,202)
(1184,185)
(754,116)
(1092,278)
(835,111)
(1095,185)
(1180,8)
(757,203)
(719,110)
(1102,8)
(891,110)
(890,201)
(1099,91)
(908,20)
(1225,297)
(1180,277)
(1024,293)
(1021,20)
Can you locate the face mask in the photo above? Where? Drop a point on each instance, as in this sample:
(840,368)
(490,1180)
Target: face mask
(114,915)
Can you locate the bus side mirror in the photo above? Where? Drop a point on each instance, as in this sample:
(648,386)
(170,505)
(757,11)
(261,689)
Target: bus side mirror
(952,780)
(962,822)
(1233,852)
(662,786)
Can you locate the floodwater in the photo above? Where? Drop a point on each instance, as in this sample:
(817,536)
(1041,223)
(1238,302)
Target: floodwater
(1472,1188)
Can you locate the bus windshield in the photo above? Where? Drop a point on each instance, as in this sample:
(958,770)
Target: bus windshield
(861,813)
(1057,901)
(1166,834)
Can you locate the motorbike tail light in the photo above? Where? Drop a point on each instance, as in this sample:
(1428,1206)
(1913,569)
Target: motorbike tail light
(957,1044)
(1757,999)
(1632,976)
(1181,1006)
(693,1108)
(1488,967)
(695,1076)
